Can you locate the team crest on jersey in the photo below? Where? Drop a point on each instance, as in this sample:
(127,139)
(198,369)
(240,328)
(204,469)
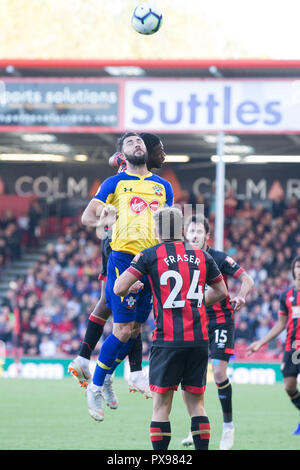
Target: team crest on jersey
(138,205)
(230,261)
(130,303)
(158,190)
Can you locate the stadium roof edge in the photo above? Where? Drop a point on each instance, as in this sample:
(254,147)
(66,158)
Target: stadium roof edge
(155,64)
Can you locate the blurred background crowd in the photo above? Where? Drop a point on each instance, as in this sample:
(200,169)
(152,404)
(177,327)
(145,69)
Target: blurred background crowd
(45,312)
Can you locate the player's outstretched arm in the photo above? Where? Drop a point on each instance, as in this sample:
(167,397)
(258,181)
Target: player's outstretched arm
(279,326)
(216,293)
(92,212)
(99,216)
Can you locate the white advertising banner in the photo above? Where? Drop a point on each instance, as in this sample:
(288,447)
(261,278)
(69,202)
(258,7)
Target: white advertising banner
(206,105)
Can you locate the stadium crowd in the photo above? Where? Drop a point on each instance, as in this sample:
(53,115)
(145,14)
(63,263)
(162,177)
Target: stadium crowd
(18,233)
(46,312)
(10,238)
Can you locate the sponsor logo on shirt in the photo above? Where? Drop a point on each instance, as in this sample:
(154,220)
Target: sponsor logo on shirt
(230,261)
(138,205)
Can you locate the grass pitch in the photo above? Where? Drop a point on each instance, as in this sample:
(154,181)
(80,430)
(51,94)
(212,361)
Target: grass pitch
(52,415)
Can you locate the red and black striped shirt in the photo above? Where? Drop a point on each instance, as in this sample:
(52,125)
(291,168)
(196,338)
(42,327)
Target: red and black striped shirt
(178,274)
(290,307)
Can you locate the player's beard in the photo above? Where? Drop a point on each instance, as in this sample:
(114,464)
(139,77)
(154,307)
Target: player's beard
(137,160)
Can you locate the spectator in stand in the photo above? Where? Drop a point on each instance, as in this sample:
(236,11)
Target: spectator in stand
(242,332)
(30,344)
(23,223)
(274,308)
(253,321)
(246,211)
(265,324)
(7,218)
(268,259)
(13,240)
(258,273)
(81,324)
(2,263)
(2,187)
(278,206)
(230,205)
(47,347)
(13,237)
(50,251)
(293,209)
(66,325)
(4,252)
(229,248)
(54,267)
(212,202)
(265,304)
(6,326)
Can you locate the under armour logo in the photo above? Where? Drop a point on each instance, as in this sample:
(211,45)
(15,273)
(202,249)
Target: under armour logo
(127,189)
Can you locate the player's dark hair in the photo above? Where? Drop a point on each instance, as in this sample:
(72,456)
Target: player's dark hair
(295,260)
(199,219)
(150,140)
(169,221)
(120,141)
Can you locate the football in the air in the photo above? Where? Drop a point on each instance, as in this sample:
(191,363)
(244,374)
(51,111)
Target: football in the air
(146,19)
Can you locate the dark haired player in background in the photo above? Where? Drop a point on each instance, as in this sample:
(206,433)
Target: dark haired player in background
(221,323)
(79,367)
(126,202)
(178,274)
(288,317)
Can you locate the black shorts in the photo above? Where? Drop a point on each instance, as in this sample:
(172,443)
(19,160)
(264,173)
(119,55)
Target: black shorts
(221,341)
(170,367)
(290,366)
